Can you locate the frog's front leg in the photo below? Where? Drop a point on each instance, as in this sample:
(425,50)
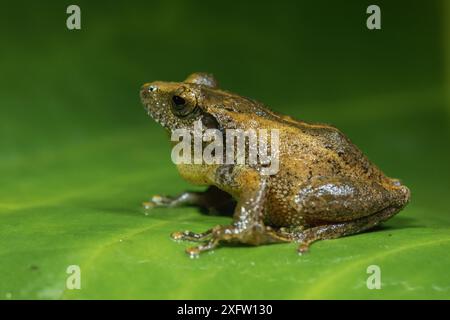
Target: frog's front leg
(248,226)
(213,201)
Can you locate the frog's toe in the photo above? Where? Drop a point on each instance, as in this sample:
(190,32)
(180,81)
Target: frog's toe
(148,205)
(194,252)
(191,236)
(157,201)
(303,248)
(161,201)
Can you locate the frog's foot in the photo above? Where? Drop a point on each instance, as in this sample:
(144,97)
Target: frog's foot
(331,231)
(158,201)
(257,234)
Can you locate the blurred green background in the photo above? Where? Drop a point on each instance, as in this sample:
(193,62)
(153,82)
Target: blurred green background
(78,154)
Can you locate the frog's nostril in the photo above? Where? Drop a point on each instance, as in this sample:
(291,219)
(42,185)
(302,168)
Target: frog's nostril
(147,87)
(147,90)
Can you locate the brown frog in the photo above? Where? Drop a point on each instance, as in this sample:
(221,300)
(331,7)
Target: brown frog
(325,187)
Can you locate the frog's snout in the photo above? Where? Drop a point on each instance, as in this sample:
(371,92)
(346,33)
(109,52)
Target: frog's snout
(146,91)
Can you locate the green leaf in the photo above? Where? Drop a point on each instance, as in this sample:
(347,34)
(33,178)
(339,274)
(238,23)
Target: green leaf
(80,205)
(78,154)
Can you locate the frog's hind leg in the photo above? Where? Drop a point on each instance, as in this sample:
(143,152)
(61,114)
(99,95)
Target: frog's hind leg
(212,201)
(332,231)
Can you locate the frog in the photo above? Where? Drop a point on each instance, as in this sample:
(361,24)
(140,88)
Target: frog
(325,187)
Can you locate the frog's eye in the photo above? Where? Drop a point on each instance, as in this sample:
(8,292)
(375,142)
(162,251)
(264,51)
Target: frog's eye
(178,101)
(180,107)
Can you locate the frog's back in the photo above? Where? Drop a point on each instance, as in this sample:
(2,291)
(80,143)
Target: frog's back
(323,150)
(311,149)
